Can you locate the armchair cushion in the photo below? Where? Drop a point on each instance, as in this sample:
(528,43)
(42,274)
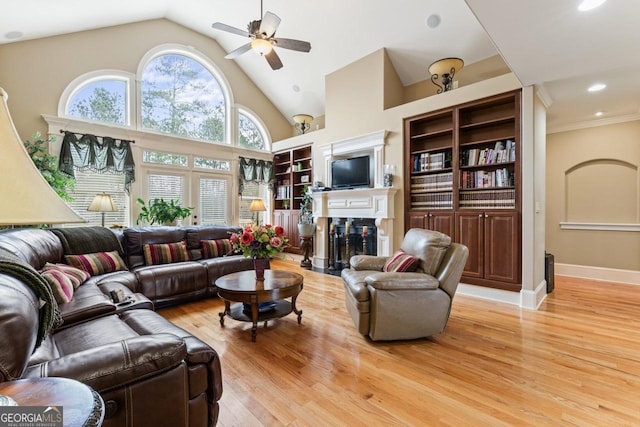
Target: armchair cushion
(401,281)
(401,262)
(367,262)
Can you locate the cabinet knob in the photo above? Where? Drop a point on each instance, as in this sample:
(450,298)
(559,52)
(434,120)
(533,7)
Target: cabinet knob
(486,215)
(480,216)
(429,214)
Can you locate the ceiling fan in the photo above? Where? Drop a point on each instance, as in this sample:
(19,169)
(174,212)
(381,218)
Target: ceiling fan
(262,34)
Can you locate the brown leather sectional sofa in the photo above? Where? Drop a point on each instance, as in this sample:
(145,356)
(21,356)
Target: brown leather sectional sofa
(148,371)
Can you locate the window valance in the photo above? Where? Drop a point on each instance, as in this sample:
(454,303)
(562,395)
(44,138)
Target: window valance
(100,154)
(252,170)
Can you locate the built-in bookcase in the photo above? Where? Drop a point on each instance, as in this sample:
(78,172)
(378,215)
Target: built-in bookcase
(462,177)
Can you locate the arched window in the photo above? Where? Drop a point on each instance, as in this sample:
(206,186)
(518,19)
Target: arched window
(101,96)
(251,131)
(180,95)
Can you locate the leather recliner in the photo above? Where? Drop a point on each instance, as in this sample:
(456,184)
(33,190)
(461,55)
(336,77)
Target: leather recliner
(405,305)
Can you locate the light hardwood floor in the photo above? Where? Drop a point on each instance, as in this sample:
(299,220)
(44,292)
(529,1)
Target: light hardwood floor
(575,361)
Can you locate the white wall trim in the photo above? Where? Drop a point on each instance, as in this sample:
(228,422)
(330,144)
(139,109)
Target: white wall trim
(593,123)
(599,226)
(532,299)
(492,294)
(598,273)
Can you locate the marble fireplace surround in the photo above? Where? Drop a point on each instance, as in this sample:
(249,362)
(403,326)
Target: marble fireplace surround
(377,203)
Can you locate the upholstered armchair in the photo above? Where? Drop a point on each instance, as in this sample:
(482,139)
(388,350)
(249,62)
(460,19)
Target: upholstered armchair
(409,294)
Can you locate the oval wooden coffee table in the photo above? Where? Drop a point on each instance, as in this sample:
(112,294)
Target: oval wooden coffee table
(243,287)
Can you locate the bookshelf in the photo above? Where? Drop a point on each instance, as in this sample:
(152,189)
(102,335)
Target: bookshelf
(293,172)
(462,178)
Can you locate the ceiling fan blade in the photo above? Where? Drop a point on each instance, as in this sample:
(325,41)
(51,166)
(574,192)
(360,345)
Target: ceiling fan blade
(269,24)
(274,60)
(293,44)
(229,29)
(239,51)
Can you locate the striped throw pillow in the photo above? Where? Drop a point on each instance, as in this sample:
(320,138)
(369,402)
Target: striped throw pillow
(97,263)
(61,285)
(215,248)
(401,262)
(165,253)
(76,275)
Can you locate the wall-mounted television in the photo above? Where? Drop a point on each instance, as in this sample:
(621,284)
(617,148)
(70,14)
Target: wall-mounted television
(350,173)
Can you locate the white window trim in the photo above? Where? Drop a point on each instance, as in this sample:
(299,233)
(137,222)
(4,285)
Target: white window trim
(80,82)
(192,53)
(262,127)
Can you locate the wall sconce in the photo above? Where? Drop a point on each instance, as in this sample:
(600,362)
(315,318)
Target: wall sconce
(102,203)
(303,122)
(389,171)
(257,206)
(445,69)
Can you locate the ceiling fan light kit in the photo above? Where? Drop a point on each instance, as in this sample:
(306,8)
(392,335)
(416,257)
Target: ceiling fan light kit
(262,34)
(444,69)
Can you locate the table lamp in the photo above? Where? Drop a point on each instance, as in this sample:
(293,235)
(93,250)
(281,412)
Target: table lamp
(102,203)
(257,206)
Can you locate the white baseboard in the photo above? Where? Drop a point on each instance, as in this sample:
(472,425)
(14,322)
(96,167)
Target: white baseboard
(530,300)
(598,273)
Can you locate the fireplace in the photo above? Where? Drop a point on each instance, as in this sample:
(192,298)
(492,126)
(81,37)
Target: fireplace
(365,207)
(348,237)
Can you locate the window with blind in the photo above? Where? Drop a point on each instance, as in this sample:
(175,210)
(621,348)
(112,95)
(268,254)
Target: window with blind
(252,191)
(88,184)
(167,187)
(214,201)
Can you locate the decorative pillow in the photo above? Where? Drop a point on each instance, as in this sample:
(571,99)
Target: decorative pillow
(60,284)
(76,275)
(165,253)
(401,262)
(97,263)
(215,248)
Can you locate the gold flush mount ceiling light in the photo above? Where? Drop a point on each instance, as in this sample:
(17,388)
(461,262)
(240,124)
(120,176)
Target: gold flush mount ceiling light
(444,70)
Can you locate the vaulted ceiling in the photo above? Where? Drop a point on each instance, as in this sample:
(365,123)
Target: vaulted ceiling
(547,43)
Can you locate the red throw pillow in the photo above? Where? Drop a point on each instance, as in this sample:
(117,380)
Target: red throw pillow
(215,248)
(401,262)
(165,253)
(61,285)
(76,275)
(97,263)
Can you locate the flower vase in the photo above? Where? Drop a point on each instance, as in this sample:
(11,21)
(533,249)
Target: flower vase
(260,265)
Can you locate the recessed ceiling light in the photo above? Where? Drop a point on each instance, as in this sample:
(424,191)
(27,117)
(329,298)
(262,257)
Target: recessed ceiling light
(599,113)
(12,35)
(433,20)
(295,88)
(590,4)
(596,87)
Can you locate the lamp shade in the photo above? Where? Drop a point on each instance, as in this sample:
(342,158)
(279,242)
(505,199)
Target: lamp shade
(261,46)
(102,203)
(445,65)
(302,118)
(257,205)
(27,198)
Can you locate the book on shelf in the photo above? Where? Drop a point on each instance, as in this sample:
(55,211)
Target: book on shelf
(440,181)
(431,161)
(431,201)
(486,179)
(488,199)
(501,152)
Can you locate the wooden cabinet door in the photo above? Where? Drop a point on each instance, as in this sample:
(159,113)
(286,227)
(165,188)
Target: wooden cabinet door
(292,232)
(442,222)
(470,232)
(502,246)
(416,220)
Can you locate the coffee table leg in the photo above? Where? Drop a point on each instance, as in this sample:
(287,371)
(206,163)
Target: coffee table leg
(295,310)
(227,308)
(254,317)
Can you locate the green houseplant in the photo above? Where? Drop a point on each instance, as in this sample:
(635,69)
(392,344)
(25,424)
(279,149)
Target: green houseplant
(47,164)
(161,211)
(306,227)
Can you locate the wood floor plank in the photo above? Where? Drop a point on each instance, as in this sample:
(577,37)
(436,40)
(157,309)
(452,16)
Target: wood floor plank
(575,361)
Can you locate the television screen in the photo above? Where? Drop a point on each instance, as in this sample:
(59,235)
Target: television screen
(350,173)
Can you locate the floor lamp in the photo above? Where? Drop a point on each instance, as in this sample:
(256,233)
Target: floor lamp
(102,203)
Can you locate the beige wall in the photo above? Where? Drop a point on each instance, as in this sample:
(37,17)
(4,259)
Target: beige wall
(35,72)
(592,176)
